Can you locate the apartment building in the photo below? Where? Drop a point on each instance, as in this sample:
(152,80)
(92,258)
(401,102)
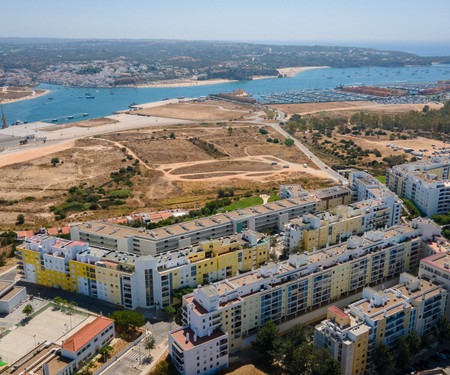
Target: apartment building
(437,267)
(351,336)
(312,232)
(242,304)
(365,186)
(425,183)
(273,215)
(138,281)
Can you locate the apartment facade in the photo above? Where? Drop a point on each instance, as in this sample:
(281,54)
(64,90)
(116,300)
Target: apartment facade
(437,267)
(381,317)
(312,232)
(242,304)
(138,281)
(425,183)
(365,186)
(273,215)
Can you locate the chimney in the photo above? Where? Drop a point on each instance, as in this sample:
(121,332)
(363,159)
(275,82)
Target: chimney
(187,337)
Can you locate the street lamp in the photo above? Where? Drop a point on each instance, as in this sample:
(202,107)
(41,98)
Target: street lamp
(34,336)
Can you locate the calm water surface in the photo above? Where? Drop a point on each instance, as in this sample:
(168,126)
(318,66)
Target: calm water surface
(68,101)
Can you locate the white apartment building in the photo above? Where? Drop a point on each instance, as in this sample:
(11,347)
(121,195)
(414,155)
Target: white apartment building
(365,186)
(425,183)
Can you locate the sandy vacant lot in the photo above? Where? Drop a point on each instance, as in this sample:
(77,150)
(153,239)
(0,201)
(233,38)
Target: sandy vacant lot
(38,185)
(210,110)
(380,144)
(350,107)
(174,172)
(82,124)
(247,370)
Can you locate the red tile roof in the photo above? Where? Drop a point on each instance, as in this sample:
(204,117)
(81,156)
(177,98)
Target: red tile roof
(338,311)
(76,243)
(86,334)
(24,233)
(53,231)
(65,230)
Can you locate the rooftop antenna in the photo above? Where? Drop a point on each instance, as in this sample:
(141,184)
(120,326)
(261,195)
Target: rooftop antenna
(4,126)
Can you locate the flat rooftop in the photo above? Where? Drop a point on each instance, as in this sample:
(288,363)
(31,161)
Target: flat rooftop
(184,337)
(119,231)
(4,285)
(13,292)
(331,192)
(54,360)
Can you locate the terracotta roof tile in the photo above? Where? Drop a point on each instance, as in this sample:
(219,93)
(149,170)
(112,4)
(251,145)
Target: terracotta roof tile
(86,334)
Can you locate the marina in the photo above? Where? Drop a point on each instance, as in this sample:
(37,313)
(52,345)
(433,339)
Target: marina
(311,85)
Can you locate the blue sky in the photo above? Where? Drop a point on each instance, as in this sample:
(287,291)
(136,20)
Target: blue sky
(250,20)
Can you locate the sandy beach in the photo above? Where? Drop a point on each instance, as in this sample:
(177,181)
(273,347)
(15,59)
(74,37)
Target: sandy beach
(285,72)
(293,71)
(34,94)
(185,83)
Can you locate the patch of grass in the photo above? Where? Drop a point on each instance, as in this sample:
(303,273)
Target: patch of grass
(382,179)
(244,203)
(273,198)
(120,193)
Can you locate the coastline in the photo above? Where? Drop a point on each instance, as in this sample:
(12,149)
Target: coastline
(286,72)
(36,94)
(293,71)
(183,83)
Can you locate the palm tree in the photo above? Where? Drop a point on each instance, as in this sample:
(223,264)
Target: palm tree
(149,343)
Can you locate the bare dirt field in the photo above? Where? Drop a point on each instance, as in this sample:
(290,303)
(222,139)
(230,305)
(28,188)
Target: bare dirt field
(82,124)
(174,171)
(37,185)
(15,94)
(247,370)
(349,107)
(380,144)
(210,110)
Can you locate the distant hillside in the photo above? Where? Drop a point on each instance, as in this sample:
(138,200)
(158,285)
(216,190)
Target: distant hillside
(200,58)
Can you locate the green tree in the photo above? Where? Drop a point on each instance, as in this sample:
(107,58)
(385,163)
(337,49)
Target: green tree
(2,259)
(443,329)
(105,352)
(414,342)
(384,360)
(230,131)
(162,368)
(302,360)
(127,322)
(172,135)
(266,339)
(28,310)
(178,318)
(403,354)
(54,161)
(20,219)
(149,343)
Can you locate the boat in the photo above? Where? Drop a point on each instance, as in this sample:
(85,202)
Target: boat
(132,105)
(90,97)
(70,117)
(54,120)
(49,98)
(85,114)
